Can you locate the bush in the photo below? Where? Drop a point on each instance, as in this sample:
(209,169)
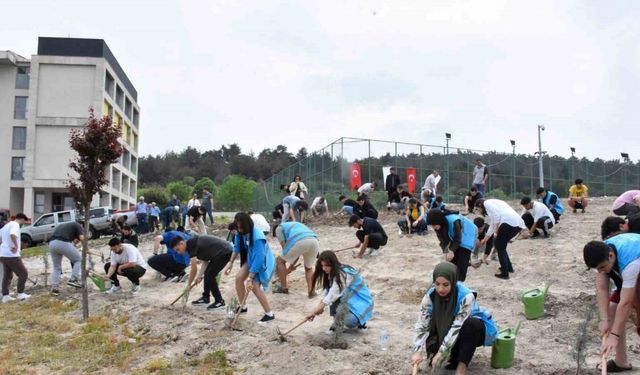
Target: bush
(236,193)
(205,182)
(497,194)
(180,189)
(156,194)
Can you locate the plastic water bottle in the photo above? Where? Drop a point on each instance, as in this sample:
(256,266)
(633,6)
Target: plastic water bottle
(384,339)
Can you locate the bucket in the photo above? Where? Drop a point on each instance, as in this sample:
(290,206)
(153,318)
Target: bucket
(534,302)
(504,348)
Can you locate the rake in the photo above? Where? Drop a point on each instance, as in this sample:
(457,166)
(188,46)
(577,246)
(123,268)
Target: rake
(281,336)
(184,292)
(235,319)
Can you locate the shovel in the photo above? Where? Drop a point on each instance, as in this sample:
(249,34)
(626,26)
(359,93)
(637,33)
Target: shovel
(186,291)
(281,336)
(235,319)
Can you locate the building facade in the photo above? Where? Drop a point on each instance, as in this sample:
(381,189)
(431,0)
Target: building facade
(41,101)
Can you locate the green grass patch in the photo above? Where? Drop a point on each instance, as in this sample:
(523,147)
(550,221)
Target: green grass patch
(36,251)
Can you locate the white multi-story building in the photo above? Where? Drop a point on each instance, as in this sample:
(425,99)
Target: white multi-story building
(41,100)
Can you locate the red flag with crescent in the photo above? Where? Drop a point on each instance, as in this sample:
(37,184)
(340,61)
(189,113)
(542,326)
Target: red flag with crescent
(356,179)
(411,180)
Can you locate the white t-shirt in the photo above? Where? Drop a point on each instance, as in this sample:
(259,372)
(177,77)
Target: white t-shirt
(630,274)
(193,202)
(366,188)
(539,211)
(9,228)
(260,222)
(316,203)
(129,253)
(499,212)
(431,183)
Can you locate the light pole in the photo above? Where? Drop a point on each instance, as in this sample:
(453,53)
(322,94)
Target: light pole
(448,138)
(513,170)
(540,154)
(627,161)
(573,161)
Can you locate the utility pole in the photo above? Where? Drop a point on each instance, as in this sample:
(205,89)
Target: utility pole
(540,154)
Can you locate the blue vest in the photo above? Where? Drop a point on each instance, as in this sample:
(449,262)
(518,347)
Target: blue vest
(167,237)
(469,231)
(357,296)
(253,257)
(490,328)
(627,248)
(558,205)
(294,232)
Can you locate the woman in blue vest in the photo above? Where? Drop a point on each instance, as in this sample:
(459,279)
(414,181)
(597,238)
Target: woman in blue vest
(297,240)
(256,263)
(552,201)
(458,234)
(451,325)
(346,293)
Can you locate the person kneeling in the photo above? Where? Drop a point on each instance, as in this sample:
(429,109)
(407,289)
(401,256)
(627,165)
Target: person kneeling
(537,216)
(347,295)
(170,265)
(414,221)
(371,236)
(451,325)
(126,261)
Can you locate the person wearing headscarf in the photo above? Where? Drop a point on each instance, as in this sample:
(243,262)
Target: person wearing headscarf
(451,325)
(457,236)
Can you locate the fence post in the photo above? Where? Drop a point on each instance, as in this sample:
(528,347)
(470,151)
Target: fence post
(342,163)
(513,174)
(369,160)
(447,168)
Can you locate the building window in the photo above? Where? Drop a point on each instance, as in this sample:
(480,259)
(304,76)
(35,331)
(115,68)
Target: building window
(22,78)
(109,83)
(17,168)
(134,164)
(39,204)
(134,141)
(107,110)
(62,202)
(19,140)
(20,108)
(127,108)
(136,117)
(119,97)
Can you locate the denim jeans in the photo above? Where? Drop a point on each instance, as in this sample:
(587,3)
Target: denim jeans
(59,249)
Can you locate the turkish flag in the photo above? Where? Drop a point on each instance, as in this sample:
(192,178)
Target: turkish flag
(356,179)
(411,180)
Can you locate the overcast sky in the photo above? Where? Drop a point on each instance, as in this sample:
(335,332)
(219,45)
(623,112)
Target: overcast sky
(262,73)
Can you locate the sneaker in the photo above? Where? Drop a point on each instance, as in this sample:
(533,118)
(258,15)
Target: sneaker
(23,296)
(241,310)
(74,283)
(266,318)
(313,294)
(281,290)
(216,305)
(182,278)
(135,289)
(114,289)
(201,301)
(7,298)
(501,276)
(167,278)
(575,210)
(372,252)
(55,292)
(583,210)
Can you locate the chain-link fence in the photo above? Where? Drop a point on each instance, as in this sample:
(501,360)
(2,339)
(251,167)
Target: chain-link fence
(511,175)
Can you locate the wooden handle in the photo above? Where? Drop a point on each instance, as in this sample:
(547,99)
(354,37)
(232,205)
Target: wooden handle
(345,249)
(603,362)
(244,300)
(296,326)
(182,294)
(416,368)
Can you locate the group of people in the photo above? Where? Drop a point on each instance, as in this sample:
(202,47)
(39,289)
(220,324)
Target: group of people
(192,214)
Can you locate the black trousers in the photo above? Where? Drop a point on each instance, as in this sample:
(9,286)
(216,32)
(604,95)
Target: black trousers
(165,264)
(471,336)
(556,215)
(133,274)
(376,240)
(529,221)
(210,274)
(627,209)
(505,233)
(461,259)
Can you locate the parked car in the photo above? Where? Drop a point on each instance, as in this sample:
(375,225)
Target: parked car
(99,221)
(42,229)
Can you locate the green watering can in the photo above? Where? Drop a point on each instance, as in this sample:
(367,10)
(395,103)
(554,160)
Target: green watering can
(100,283)
(534,302)
(504,348)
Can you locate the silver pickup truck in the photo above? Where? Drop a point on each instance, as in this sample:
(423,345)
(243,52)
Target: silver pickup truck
(42,229)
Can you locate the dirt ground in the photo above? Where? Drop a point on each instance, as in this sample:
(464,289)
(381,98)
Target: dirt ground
(397,278)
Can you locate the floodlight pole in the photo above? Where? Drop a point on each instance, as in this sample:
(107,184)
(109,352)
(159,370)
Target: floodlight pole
(540,153)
